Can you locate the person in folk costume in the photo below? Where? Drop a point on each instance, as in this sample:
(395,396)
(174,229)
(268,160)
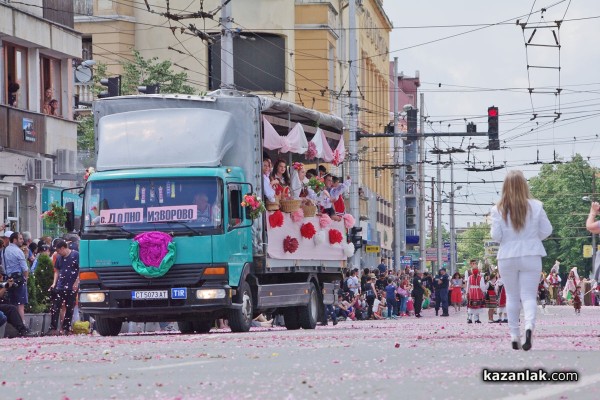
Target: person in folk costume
(571,285)
(577,301)
(298,181)
(476,287)
(501,293)
(519,224)
(542,291)
(491,298)
(553,283)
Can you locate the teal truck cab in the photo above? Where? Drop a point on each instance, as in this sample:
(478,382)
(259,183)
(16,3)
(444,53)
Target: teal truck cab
(164,233)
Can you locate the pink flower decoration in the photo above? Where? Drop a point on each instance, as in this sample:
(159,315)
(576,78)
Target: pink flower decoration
(298,215)
(311,153)
(153,247)
(324,220)
(348,221)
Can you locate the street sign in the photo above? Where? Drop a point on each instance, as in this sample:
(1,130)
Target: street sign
(415,254)
(372,249)
(406,261)
(587,250)
(431,254)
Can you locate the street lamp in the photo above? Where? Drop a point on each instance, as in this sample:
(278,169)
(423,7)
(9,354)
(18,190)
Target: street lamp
(589,199)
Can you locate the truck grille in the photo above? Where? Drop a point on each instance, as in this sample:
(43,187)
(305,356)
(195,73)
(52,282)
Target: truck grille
(126,277)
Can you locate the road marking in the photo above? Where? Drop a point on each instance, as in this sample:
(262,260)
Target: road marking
(183,364)
(555,389)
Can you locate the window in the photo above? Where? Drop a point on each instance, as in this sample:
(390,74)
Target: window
(16,76)
(50,85)
(258,63)
(235,208)
(181,205)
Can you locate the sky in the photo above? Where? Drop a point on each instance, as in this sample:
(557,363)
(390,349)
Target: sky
(485,64)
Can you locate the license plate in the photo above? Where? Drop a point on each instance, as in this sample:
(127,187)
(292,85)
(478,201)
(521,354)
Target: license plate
(179,293)
(149,295)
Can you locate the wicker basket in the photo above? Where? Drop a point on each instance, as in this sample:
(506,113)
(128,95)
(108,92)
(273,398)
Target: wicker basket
(272,205)
(310,210)
(289,205)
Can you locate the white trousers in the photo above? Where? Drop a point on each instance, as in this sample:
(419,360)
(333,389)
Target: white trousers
(521,276)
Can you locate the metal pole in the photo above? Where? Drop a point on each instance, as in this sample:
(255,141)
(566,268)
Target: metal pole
(452,251)
(226,46)
(594,245)
(421,184)
(439,243)
(353,124)
(396,184)
(432,218)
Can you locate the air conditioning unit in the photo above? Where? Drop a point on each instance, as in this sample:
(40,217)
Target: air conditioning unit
(40,170)
(410,168)
(66,161)
(411,221)
(410,178)
(411,211)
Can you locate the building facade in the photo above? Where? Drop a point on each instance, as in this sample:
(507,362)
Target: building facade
(38,137)
(293,50)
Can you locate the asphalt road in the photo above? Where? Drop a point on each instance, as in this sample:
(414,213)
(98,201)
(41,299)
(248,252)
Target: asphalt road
(430,358)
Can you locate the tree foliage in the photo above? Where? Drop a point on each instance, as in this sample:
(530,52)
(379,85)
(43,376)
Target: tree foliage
(561,188)
(141,71)
(471,243)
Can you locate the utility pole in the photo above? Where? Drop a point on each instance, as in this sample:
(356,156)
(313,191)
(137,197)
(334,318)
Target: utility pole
(396,184)
(452,251)
(439,243)
(353,124)
(421,185)
(226,46)
(432,216)
(594,245)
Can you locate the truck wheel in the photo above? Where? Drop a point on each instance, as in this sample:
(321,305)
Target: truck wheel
(202,326)
(240,319)
(290,318)
(186,327)
(108,326)
(308,314)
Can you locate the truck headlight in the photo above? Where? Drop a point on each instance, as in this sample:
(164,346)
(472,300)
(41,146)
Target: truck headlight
(94,297)
(207,294)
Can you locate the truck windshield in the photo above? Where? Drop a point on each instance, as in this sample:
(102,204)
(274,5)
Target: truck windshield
(137,205)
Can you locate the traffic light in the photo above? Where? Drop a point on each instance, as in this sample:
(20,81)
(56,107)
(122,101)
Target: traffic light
(471,128)
(113,85)
(411,124)
(355,237)
(150,89)
(494,142)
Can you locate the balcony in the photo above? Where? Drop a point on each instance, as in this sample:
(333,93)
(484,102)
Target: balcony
(32,132)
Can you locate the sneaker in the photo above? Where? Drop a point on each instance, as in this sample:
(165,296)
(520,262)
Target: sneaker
(478,322)
(418,315)
(469,321)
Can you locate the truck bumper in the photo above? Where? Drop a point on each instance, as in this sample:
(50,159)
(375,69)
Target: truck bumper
(123,304)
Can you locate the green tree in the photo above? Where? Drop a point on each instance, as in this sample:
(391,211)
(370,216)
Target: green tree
(141,71)
(471,243)
(561,188)
(43,278)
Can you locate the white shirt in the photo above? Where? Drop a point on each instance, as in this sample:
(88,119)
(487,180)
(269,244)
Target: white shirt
(268,189)
(527,241)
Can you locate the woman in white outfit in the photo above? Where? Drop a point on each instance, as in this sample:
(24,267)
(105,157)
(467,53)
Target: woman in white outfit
(519,224)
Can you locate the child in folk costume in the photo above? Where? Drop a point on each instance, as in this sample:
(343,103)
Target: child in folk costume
(577,301)
(553,283)
(502,316)
(491,299)
(571,285)
(542,291)
(475,295)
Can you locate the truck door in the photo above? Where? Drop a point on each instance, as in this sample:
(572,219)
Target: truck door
(235,246)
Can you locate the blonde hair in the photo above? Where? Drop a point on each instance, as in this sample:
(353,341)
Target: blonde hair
(513,202)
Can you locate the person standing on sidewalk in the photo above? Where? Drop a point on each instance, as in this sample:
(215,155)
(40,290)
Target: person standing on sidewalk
(519,224)
(417,292)
(65,286)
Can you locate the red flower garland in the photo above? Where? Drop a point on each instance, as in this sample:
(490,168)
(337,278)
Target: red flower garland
(308,230)
(276,219)
(290,244)
(335,236)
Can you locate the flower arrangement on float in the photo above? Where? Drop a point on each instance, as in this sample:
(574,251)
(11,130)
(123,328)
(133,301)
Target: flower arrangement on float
(255,204)
(316,183)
